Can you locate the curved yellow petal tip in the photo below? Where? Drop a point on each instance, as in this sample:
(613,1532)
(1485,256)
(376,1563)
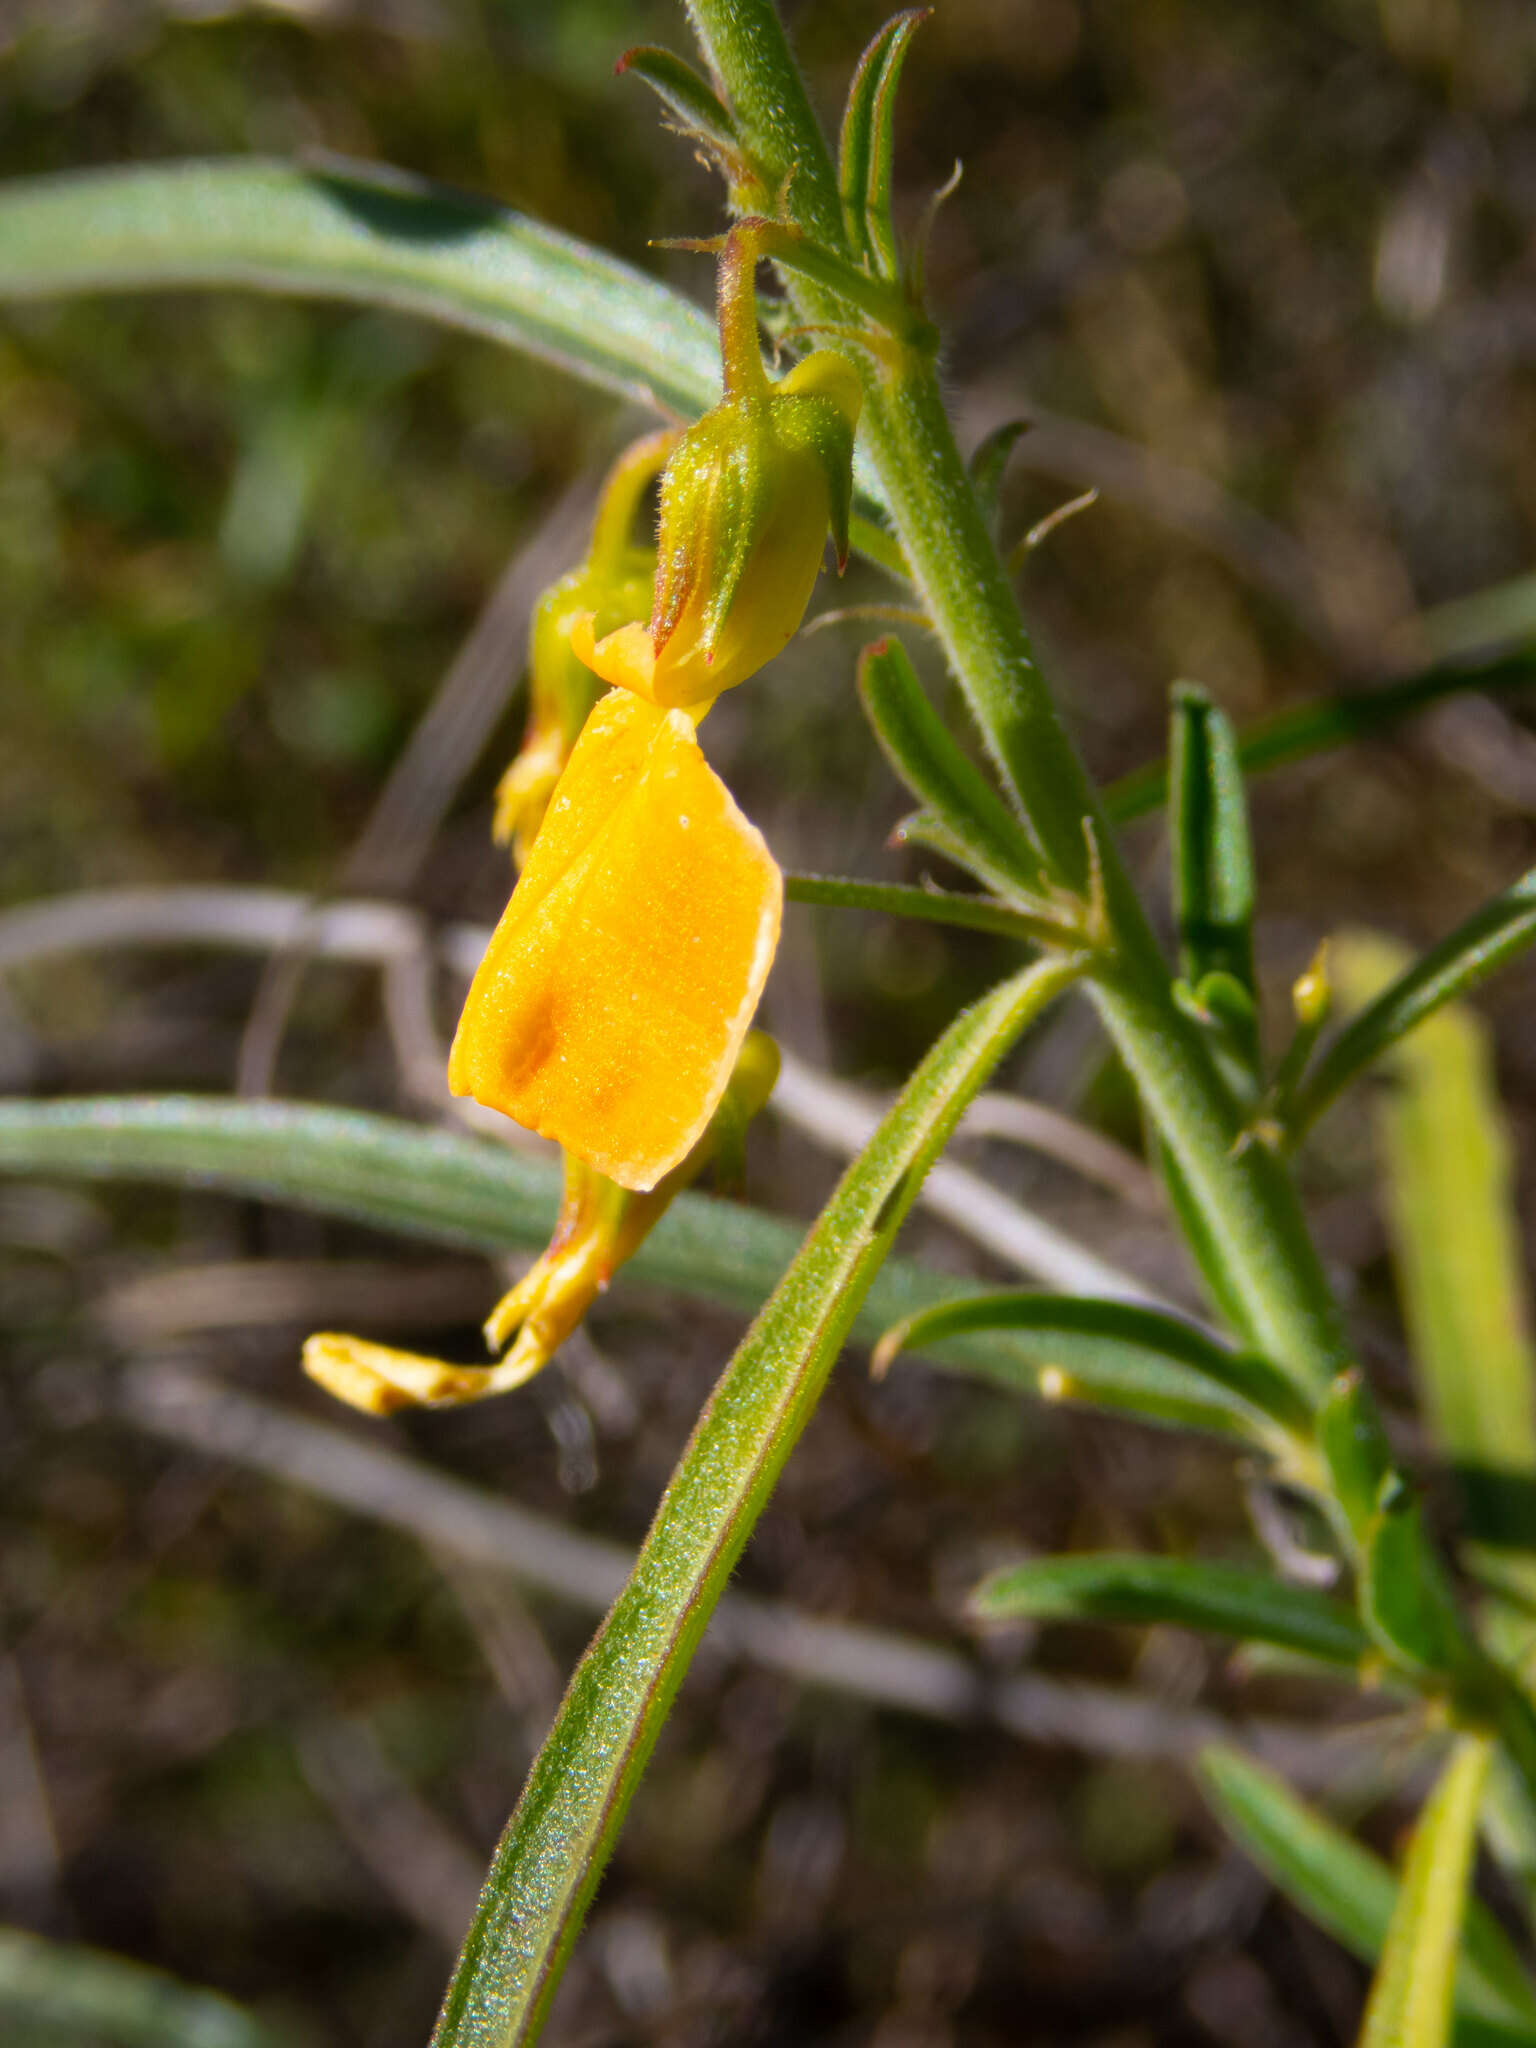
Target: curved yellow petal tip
(617,989)
(380,1380)
(625,659)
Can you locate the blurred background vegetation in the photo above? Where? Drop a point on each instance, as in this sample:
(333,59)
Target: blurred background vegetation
(1265,276)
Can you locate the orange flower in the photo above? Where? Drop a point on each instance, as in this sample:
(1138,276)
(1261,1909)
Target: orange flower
(612,1006)
(613,999)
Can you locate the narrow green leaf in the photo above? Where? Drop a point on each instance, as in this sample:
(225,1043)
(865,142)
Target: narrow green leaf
(691,98)
(1254,1606)
(989,464)
(81,1994)
(1354,1448)
(1449,1193)
(867,144)
(1412,1996)
(1330,722)
(441,1186)
(898,899)
(558,1840)
(1350,1891)
(1213,870)
(919,746)
(1406,1600)
(1491,937)
(1114,1353)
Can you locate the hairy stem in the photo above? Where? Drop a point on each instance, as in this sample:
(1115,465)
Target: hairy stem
(1246,1198)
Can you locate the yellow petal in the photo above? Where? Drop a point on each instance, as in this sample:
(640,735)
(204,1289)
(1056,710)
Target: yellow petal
(625,658)
(616,991)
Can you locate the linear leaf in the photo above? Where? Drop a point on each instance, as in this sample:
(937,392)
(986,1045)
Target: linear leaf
(989,462)
(691,98)
(1349,1890)
(82,1994)
(1212,859)
(1449,1197)
(1255,1606)
(558,1840)
(1329,722)
(1213,894)
(1412,1996)
(1110,1352)
(446,1188)
(900,899)
(866,146)
(1355,1449)
(919,746)
(336,229)
(1406,1600)
(1491,937)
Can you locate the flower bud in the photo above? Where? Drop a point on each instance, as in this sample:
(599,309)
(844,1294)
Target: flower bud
(746,501)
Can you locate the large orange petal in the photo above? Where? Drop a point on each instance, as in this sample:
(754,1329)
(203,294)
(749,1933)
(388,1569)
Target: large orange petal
(616,991)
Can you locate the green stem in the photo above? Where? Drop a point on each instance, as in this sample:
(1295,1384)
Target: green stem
(1246,1197)
(745,45)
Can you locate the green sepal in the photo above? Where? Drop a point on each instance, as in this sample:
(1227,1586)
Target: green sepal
(820,428)
(866,146)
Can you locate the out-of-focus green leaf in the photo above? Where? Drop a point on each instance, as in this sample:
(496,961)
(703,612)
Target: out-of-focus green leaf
(1406,1601)
(867,144)
(1354,1448)
(1448,1187)
(340,230)
(1330,722)
(978,825)
(444,1187)
(554,1848)
(79,1994)
(1487,941)
(1350,1891)
(1412,1996)
(1254,1606)
(1114,1354)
